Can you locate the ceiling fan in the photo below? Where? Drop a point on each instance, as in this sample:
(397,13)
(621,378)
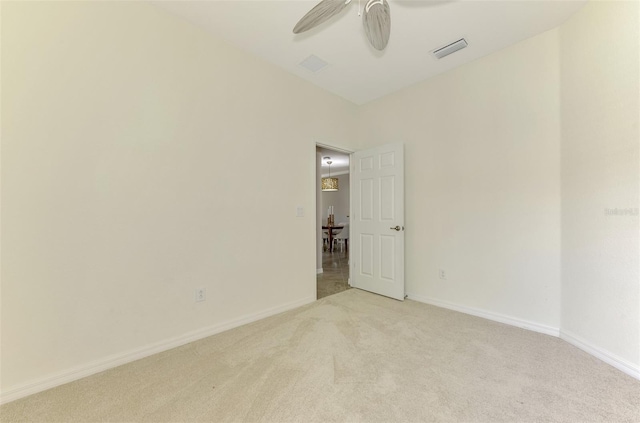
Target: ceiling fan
(376,19)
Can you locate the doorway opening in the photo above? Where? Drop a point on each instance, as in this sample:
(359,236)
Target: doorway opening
(333,210)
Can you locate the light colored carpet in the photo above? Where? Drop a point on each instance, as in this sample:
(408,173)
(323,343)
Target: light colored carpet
(352,357)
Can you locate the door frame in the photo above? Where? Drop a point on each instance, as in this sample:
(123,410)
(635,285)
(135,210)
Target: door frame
(318,193)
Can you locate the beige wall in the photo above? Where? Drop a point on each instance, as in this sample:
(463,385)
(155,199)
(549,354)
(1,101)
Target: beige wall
(482,147)
(139,162)
(601,171)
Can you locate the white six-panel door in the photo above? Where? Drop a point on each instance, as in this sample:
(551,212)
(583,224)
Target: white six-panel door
(377,220)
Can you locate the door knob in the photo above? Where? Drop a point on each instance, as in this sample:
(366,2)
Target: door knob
(396,228)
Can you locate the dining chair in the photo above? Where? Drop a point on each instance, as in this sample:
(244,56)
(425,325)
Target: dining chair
(342,237)
(325,239)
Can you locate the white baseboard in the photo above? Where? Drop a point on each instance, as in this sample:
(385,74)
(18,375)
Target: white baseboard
(318,271)
(621,364)
(496,317)
(115,360)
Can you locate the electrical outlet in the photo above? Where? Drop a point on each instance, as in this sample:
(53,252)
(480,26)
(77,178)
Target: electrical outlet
(201,294)
(442,274)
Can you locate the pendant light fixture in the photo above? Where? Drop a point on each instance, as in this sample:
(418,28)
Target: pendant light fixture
(329,184)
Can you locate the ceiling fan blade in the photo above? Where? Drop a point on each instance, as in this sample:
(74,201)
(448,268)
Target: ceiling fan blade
(322,11)
(377,23)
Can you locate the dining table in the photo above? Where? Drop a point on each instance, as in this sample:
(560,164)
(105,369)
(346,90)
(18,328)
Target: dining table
(331,234)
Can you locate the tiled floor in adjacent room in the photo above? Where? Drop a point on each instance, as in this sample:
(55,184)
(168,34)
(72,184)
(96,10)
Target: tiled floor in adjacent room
(335,276)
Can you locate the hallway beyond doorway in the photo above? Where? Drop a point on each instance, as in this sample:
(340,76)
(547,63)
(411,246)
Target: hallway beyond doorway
(335,276)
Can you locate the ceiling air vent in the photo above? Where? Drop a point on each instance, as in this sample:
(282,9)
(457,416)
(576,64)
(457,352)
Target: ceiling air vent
(313,63)
(451,48)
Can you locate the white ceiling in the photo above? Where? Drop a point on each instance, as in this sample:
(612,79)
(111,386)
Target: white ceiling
(356,71)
